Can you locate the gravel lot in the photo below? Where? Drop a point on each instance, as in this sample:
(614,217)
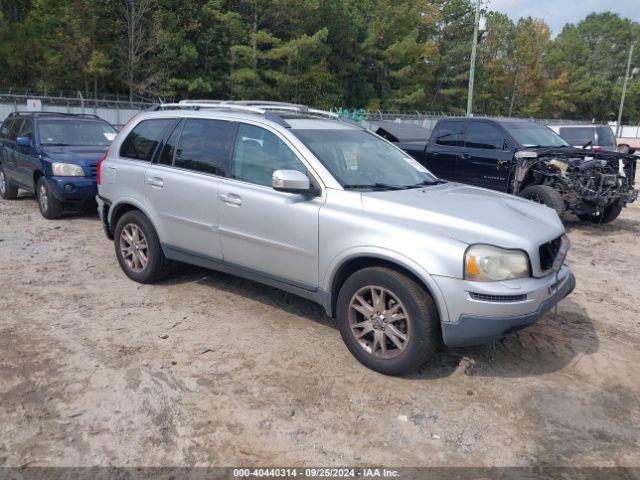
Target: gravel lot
(209,369)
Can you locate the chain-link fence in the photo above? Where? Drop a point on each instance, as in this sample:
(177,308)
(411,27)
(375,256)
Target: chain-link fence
(113,109)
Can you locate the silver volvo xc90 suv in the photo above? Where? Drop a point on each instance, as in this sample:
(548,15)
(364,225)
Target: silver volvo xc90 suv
(298,199)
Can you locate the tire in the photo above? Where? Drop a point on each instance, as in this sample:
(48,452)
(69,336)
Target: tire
(545,195)
(8,190)
(132,262)
(50,207)
(421,327)
(624,148)
(608,215)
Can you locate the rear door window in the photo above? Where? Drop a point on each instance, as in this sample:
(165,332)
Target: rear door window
(143,140)
(484,135)
(450,133)
(577,135)
(169,148)
(205,146)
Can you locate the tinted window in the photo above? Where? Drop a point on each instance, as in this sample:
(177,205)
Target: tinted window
(144,138)
(205,146)
(258,153)
(169,149)
(577,135)
(484,135)
(15,128)
(450,133)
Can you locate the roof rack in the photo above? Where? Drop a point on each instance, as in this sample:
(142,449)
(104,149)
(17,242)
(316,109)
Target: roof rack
(267,108)
(56,114)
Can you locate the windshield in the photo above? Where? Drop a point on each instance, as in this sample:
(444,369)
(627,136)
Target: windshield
(358,159)
(75,133)
(535,135)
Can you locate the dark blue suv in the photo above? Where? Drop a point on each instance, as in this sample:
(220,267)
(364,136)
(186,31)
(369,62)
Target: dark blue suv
(55,156)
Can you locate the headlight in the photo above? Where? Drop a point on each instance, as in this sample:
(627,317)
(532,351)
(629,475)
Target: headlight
(484,263)
(67,170)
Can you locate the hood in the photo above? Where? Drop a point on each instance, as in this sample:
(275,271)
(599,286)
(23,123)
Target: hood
(470,215)
(81,155)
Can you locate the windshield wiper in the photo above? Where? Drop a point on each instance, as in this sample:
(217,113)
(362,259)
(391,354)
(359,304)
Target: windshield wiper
(377,186)
(427,183)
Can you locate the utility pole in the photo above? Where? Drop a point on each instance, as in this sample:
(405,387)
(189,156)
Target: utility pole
(624,90)
(472,68)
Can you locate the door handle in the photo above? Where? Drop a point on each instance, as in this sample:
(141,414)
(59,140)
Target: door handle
(231,199)
(464,156)
(155,182)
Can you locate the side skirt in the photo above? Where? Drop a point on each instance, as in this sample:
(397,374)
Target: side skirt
(315,295)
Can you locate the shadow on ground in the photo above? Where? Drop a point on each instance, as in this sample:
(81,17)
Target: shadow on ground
(545,347)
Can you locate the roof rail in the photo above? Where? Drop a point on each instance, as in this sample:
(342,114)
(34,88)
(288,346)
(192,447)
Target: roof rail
(56,114)
(267,108)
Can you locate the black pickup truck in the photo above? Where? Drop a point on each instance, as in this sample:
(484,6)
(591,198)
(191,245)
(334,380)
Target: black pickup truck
(526,158)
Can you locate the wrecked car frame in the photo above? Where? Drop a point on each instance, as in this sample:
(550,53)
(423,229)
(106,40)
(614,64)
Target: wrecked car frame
(526,158)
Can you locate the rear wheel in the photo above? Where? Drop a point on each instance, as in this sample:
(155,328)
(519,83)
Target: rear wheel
(8,190)
(545,195)
(609,214)
(50,206)
(138,248)
(387,320)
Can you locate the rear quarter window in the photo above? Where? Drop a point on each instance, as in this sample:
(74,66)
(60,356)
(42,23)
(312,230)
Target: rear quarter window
(142,141)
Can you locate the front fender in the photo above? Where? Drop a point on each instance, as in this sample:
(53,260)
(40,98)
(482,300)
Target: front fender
(390,256)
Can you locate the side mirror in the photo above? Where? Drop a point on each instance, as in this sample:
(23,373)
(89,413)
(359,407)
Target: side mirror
(291,181)
(23,141)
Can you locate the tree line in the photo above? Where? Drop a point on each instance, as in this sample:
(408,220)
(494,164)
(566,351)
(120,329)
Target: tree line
(394,55)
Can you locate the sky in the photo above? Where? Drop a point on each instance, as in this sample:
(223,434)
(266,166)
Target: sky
(559,12)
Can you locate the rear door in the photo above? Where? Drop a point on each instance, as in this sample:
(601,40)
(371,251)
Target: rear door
(182,184)
(446,145)
(270,232)
(487,158)
(123,175)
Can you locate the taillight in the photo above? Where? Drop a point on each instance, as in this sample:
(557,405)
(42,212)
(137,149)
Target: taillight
(597,149)
(100,167)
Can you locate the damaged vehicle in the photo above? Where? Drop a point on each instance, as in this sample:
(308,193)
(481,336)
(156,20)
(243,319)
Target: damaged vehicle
(526,158)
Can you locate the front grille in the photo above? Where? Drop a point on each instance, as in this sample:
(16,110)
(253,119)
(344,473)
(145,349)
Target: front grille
(548,252)
(497,298)
(93,170)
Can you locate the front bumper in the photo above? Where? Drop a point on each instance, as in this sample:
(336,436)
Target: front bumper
(477,321)
(74,189)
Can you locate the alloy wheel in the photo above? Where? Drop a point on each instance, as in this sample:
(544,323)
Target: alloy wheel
(134,248)
(379,322)
(43,197)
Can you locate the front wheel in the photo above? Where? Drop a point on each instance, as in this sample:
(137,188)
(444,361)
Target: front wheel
(545,195)
(609,214)
(50,206)
(387,320)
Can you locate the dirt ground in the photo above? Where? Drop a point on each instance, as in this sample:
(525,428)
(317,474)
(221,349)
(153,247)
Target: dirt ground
(209,369)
